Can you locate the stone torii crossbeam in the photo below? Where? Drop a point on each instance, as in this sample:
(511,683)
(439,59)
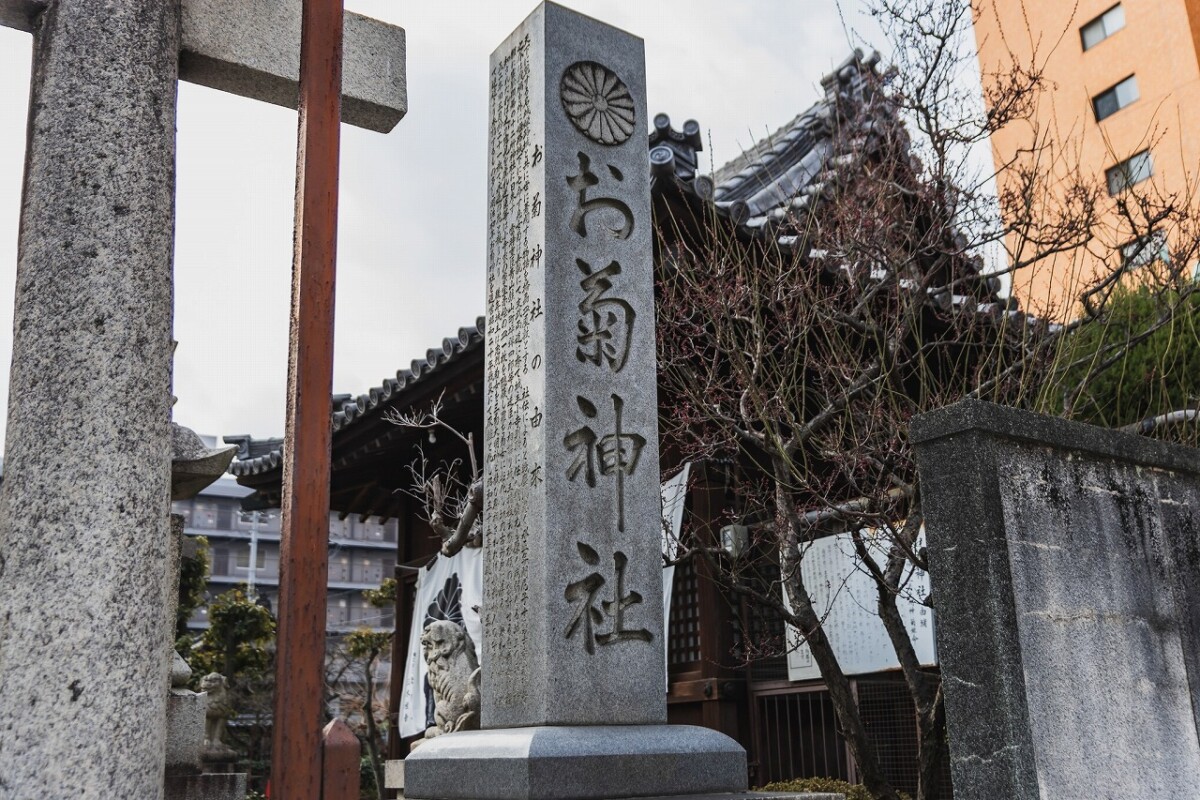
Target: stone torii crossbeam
(253,50)
(86,595)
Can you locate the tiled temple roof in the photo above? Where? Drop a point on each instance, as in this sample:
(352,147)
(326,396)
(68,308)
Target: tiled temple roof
(256,456)
(784,172)
(757,192)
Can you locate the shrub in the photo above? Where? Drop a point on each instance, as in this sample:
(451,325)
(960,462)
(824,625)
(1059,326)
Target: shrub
(833,785)
(1158,374)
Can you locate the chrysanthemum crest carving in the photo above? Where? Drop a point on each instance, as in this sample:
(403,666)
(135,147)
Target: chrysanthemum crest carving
(597,102)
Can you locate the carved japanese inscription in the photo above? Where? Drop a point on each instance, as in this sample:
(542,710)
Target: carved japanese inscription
(590,614)
(612,454)
(605,323)
(604,452)
(509,471)
(581,184)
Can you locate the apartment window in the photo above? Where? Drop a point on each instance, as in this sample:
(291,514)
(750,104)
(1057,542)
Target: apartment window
(1113,100)
(204,514)
(338,613)
(243,558)
(260,521)
(1102,27)
(362,613)
(340,528)
(367,570)
(220,556)
(226,513)
(1145,250)
(373,531)
(1134,169)
(339,568)
(271,569)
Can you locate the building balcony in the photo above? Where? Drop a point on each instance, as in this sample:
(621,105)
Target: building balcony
(368,543)
(273,536)
(260,579)
(221,533)
(354,584)
(342,628)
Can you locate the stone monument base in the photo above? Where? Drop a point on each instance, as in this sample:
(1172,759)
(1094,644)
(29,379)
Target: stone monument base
(754,796)
(209,786)
(596,762)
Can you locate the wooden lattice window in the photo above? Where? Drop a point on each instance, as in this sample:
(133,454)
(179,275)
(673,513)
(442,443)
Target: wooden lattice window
(684,642)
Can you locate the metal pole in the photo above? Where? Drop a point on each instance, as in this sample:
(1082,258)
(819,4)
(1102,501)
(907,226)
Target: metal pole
(304,564)
(255,516)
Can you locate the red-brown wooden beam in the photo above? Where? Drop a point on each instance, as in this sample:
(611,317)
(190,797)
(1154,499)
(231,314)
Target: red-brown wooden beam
(304,565)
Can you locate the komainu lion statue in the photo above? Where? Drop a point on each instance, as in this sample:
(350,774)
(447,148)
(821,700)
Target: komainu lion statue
(453,676)
(218,711)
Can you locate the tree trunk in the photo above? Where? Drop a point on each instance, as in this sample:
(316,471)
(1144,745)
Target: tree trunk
(373,730)
(840,692)
(931,727)
(924,687)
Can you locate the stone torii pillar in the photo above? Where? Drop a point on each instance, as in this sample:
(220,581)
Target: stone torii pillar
(85,593)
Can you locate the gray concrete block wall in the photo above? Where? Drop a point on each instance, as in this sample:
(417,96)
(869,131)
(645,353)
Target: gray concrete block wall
(1064,570)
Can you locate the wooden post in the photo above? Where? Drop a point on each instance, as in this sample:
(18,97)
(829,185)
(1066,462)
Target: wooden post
(304,556)
(340,755)
(401,622)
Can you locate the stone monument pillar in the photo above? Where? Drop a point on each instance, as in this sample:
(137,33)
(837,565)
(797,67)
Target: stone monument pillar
(193,467)
(185,776)
(572,521)
(573,704)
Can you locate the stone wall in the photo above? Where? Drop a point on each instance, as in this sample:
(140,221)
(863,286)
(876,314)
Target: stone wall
(1065,566)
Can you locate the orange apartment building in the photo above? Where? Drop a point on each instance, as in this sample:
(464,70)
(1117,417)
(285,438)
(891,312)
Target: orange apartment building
(1122,102)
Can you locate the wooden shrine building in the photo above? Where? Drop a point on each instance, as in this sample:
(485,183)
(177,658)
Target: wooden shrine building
(787,726)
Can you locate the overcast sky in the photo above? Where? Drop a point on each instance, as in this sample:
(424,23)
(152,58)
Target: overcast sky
(411,246)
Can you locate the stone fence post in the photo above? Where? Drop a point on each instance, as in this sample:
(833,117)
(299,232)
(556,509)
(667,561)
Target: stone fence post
(1065,564)
(340,755)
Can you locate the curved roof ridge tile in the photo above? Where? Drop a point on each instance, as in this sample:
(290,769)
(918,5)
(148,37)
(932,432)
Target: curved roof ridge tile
(347,408)
(786,169)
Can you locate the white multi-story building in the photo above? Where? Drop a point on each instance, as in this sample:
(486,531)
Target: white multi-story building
(244,549)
